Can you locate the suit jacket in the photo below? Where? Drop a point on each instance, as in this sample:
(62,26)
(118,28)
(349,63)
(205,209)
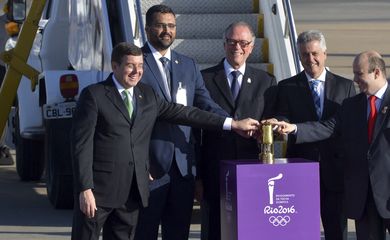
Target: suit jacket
(255,100)
(170,140)
(295,104)
(365,163)
(110,150)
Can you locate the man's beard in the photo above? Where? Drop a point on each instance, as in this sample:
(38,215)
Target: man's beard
(162,44)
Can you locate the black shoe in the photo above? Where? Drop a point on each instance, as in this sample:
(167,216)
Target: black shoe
(5,156)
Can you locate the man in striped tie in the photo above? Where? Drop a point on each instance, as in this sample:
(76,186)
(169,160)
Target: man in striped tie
(311,95)
(363,125)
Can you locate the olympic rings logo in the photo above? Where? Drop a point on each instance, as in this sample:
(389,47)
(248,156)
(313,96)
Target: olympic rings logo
(279,220)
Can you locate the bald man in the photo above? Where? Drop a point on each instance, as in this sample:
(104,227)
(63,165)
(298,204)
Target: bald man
(364,126)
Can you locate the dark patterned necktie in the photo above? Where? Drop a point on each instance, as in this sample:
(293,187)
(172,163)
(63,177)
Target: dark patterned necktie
(235,88)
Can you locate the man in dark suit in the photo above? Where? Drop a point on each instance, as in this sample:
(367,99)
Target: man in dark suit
(112,127)
(311,95)
(175,78)
(253,99)
(364,127)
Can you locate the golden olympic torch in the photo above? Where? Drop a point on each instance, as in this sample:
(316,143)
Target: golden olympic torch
(266,142)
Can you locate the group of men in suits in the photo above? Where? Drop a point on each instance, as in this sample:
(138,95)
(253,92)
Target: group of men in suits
(363,125)
(112,127)
(134,163)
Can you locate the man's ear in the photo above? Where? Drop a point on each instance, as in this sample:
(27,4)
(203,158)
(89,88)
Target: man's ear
(377,72)
(114,65)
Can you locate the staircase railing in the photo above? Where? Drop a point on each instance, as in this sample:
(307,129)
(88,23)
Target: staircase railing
(140,21)
(279,29)
(292,33)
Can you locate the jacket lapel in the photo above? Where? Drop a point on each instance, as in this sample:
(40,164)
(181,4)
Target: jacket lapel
(114,96)
(220,80)
(303,83)
(246,85)
(140,106)
(382,114)
(175,76)
(330,92)
(152,65)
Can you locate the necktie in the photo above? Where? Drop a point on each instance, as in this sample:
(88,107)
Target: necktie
(316,93)
(165,63)
(128,102)
(235,88)
(371,117)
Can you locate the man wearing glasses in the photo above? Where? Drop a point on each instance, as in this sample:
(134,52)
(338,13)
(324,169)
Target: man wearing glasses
(242,91)
(176,78)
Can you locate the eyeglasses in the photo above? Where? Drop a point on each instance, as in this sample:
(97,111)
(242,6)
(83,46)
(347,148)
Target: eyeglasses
(242,43)
(164,25)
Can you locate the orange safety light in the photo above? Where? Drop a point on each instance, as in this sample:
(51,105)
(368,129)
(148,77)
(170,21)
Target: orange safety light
(69,86)
(12,29)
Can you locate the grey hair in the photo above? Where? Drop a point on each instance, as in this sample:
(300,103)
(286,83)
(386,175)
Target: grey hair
(312,35)
(239,23)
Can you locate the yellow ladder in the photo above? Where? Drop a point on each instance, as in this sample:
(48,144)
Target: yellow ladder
(16,59)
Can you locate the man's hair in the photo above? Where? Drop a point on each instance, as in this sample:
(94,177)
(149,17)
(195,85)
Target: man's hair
(312,35)
(239,23)
(375,61)
(124,49)
(157,9)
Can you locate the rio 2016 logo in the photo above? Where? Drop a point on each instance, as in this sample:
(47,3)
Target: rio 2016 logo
(279,220)
(280,215)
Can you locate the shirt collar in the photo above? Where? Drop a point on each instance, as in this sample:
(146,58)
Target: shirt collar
(121,88)
(322,77)
(229,68)
(157,55)
(379,94)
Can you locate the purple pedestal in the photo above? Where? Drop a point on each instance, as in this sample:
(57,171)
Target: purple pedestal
(271,202)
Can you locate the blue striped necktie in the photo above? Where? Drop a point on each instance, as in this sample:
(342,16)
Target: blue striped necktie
(165,63)
(316,93)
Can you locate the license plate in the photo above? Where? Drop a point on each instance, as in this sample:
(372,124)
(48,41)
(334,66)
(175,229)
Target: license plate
(59,110)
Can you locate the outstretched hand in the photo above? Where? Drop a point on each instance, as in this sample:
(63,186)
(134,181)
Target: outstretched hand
(245,127)
(281,127)
(285,127)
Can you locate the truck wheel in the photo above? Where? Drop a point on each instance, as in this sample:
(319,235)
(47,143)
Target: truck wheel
(59,179)
(30,162)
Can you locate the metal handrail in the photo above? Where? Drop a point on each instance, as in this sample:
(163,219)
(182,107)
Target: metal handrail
(140,20)
(292,34)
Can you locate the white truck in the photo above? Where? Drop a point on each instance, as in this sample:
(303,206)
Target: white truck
(72,49)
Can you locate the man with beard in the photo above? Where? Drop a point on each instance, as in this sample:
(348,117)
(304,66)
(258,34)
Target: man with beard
(176,78)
